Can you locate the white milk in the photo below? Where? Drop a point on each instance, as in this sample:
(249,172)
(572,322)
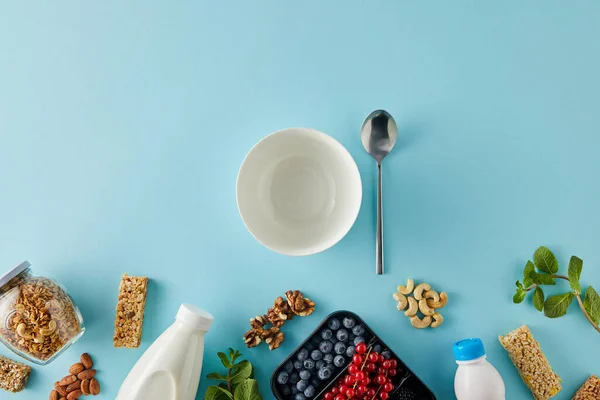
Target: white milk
(170,368)
(476,379)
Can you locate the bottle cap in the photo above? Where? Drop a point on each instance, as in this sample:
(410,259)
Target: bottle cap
(468,349)
(194,317)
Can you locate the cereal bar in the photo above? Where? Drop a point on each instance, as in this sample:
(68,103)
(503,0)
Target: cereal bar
(526,355)
(13,375)
(130,311)
(590,390)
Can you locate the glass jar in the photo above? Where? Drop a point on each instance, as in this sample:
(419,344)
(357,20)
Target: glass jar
(38,319)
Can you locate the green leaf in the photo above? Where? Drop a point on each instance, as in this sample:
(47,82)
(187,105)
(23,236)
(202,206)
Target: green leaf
(575,267)
(519,296)
(217,393)
(224,360)
(529,269)
(240,372)
(542,279)
(236,355)
(556,306)
(591,303)
(545,261)
(538,298)
(216,376)
(519,285)
(247,390)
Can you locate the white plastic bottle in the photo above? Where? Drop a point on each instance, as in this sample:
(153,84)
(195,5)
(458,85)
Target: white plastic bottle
(476,378)
(170,368)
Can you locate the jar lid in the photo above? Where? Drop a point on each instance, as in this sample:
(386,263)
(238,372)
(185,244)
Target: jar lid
(195,317)
(14,272)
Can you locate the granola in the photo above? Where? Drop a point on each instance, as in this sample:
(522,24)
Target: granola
(40,317)
(590,390)
(13,375)
(130,311)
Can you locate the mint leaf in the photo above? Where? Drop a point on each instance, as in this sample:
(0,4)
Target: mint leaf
(519,285)
(556,306)
(217,393)
(224,360)
(240,372)
(591,303)
(529,269)
(519,296)
(545,261)
(575,267)
(538,298)
(542,279)
(216,376)
(247,390)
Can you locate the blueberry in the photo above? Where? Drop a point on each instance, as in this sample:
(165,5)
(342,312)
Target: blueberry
(349,322)
(309,391)
(350,351)
(386,354)
(302,355)
(339,361)
(328,358)
(309,364)
(334,324)
(315,382)
(324,373)
(358,330)
(377,348)
(359,339)
(342,335)
(288,367)
(299,396)
(283,378)
(320,364)
(326,334)
(305,374)
(302,385)
(316,355)
(340,348)
(326,346)
(294,378)
(298,365)
(294,390)
(286,391)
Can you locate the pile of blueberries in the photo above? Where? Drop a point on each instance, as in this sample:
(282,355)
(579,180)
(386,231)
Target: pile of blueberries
(325,354)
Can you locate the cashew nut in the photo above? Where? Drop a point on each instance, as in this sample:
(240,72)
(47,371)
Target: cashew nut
(22,330)
(39,338)
(431,294)
(410,285)
(438,304)
(402,301)
(50,329)
(418,293)
(420,323)
(437,320)
(413,307)
(424,308)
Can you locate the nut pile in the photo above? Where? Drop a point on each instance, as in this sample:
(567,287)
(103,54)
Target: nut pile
(43,318)
(80,381)
(267,328)
(424,301)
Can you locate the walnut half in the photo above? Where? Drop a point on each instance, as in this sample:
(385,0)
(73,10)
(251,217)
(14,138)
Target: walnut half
(299,304)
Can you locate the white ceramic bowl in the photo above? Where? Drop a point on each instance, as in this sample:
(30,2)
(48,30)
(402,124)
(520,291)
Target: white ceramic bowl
(299,191)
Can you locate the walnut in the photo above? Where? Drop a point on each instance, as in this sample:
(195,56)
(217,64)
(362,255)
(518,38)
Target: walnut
(299,304)
(275,341)
(259,321)
(252,338)
(280,313)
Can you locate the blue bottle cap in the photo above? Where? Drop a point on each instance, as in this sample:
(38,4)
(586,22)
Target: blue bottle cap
(468,349)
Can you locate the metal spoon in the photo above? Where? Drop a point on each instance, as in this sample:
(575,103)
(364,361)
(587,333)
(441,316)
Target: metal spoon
(378,135)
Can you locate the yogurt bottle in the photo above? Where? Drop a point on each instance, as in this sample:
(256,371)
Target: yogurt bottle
(170,368)
(476,378)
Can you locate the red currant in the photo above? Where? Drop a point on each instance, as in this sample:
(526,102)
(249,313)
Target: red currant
(349,380)
(362,389)
(353,369)
(380,379)
(392,372)
(361,348)
(360,376)
(358,359)
(342,388)
(388,387)
(365,381)
(370,393)
(328,396)
(386,364)
(384,396)
(339,397)
(350,393)
(381,359)
(373,357)
(370,367)
(335,390)
(381,371)
(393,363)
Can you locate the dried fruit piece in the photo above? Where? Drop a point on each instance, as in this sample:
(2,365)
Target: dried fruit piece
(76,368)
(86,360)
(67,380)
(87,374)
(85,387)
(94,387)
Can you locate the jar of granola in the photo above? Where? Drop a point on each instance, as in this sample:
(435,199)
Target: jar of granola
(38,319)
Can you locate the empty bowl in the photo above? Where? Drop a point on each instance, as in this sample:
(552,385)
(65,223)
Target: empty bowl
(298,191)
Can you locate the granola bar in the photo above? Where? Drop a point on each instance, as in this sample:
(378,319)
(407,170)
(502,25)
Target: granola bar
(526,355)
(13,375)
(130,311)
(590,390)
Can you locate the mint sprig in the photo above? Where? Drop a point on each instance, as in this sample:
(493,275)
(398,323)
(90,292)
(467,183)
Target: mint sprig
(543,271)
(237,384)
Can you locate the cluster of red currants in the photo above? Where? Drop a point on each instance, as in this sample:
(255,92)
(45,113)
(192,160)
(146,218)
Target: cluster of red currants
(368,378)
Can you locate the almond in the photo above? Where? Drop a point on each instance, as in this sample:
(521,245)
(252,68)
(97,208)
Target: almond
(74,395)
(73,386)
(87,374)
(86,360)
(53,395)
(60,389)
(94,387)
(76,368)
(85,387)
(67,380)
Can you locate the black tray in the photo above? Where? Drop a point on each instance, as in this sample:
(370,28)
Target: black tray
(407,385)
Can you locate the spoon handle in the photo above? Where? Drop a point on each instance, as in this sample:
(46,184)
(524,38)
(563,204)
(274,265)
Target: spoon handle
(379,238)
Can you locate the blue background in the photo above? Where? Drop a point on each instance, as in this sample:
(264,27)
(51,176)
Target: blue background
(123,125)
